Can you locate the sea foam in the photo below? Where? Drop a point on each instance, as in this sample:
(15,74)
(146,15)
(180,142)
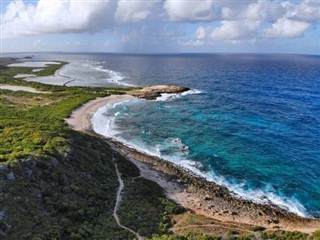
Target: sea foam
(92,72)
(172,96)
(113,76)
(105,124)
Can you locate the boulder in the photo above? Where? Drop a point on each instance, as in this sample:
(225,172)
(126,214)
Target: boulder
(4,168)
(10,176)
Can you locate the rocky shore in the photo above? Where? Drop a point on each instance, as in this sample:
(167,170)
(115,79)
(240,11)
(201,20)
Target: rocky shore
(211,200)
(192,191)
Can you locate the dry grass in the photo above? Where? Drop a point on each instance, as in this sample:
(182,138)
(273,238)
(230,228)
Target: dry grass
(191,222)
(34,101)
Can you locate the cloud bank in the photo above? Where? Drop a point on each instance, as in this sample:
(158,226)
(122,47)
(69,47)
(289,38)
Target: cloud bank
(56,17)
(218,20)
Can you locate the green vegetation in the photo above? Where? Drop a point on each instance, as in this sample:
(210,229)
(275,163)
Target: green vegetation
(64,197)
(64,183)
(189,226)
(188,236)
(56,183)
(283,235)
(316,235)
(152,211)
(200,236)
(61,183)
(144,207)
(49,70)
(33,123)
(257,228)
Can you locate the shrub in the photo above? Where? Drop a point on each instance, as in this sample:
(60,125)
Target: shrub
(316,235)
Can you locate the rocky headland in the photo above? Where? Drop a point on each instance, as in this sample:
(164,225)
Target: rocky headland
(153,92)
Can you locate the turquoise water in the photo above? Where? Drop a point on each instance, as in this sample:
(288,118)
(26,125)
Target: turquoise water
(251,123)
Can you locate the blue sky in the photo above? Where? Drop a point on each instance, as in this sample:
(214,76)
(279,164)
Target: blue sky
(161,26)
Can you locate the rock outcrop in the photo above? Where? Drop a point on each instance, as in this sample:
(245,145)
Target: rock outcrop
(152,92)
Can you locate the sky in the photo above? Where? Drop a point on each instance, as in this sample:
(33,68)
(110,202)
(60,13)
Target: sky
(161,26)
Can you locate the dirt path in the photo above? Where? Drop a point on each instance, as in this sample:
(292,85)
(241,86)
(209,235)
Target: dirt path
(118,200)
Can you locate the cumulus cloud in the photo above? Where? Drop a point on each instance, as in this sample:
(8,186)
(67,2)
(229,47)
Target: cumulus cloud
(308,11)
(215,10)
(56,17)
(134,11)
(224,20)
(252,21)
(234,30)
(199,40)
(189,10)
(201,33)
(287,28)
(263,10)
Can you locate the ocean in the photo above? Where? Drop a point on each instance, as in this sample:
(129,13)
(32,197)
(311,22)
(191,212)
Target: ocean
(251,122)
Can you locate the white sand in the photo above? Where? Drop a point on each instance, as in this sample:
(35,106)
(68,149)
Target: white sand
(80,118)
(37,70)
(24,75)
(32,64)
(20,88)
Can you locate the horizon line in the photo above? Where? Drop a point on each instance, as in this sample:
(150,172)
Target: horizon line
(164,53)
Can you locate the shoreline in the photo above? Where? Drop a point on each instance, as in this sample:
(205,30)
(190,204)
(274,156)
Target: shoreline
(58,74)
(208,198)
(80,119)
(186,188)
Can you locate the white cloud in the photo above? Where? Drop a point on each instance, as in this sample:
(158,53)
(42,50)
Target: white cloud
(239,19)
(189,10)
(244,22)
(234,30)
(205,11)
(134,11)
(199,40)
(201,33)
(215,10)
(263,10)
(55,17)
(286,28)
(308,11)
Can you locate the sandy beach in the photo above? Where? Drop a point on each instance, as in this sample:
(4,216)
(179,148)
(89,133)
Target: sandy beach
(191,191)
(80,118)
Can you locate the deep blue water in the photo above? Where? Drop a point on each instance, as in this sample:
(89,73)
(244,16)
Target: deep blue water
(253,125)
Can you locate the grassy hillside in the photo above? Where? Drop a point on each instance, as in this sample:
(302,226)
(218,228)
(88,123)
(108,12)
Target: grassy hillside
(57,183)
